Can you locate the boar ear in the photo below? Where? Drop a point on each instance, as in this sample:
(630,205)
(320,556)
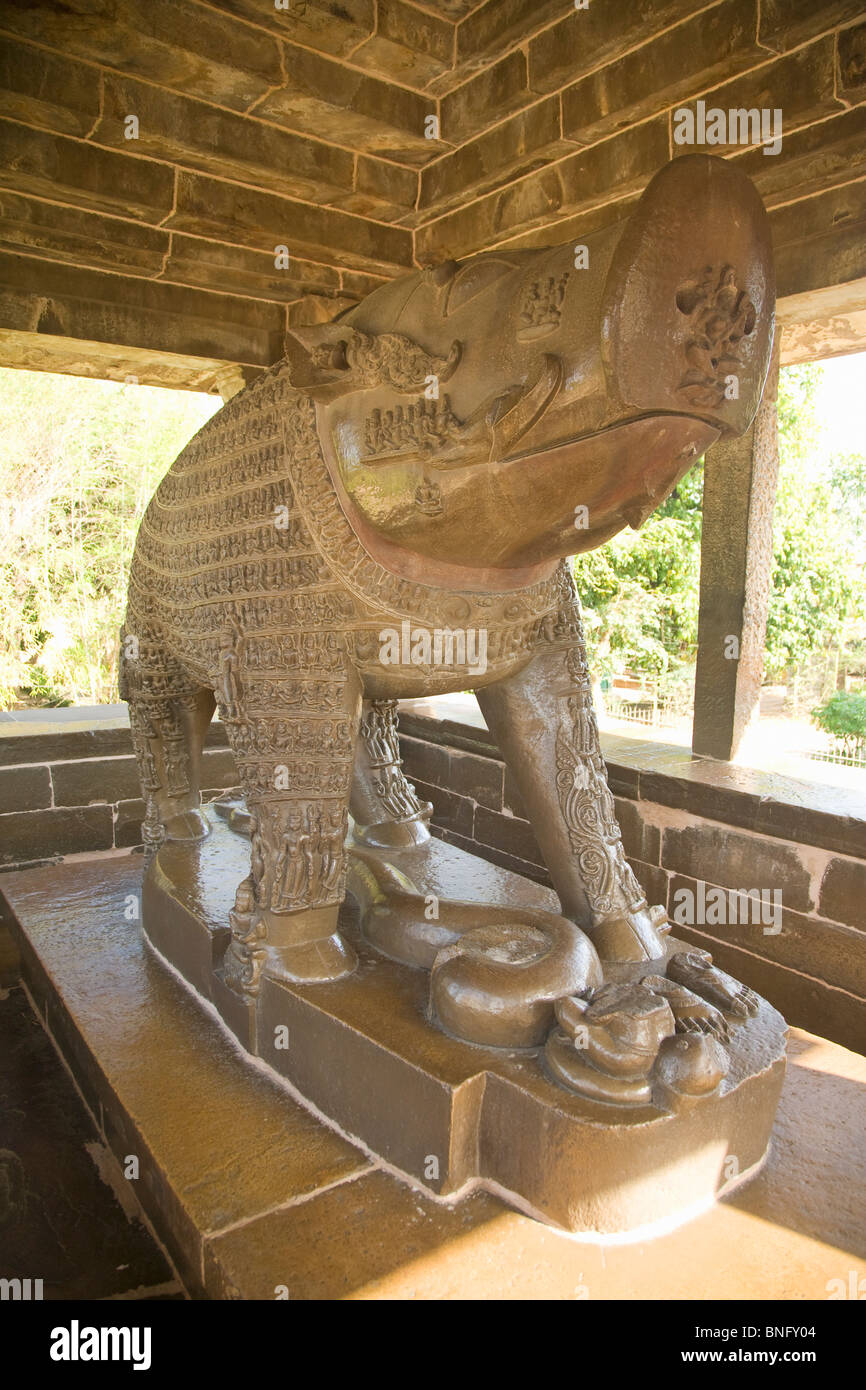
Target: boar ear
(472,279)
(317,359)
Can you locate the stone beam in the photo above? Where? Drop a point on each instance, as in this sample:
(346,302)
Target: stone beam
(736,559)
(44,298)
(829,322)
(43,352)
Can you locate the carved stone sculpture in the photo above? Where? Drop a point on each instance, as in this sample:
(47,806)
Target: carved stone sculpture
(347,532)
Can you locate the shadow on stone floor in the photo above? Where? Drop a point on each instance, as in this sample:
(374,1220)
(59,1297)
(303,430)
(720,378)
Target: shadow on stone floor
(60,1220)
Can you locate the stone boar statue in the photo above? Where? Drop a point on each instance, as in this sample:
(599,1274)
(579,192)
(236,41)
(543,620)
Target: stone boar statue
(387,512)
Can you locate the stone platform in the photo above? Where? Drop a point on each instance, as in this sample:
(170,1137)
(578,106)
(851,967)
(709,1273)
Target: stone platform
(251,1193)
(446,1113)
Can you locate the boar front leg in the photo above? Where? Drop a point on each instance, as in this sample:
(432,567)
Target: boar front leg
(543,721)
(296,772)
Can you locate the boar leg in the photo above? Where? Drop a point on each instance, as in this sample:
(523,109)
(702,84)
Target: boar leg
(296,772)
(543,721)
(169,714)
(384,806)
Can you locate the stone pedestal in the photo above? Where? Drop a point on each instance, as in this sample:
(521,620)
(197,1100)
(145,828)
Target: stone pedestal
(255,1197)
(448,1114)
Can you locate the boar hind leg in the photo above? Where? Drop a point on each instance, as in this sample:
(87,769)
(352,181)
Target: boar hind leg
(296,773)
(543,720)
(384,806)
(169,715)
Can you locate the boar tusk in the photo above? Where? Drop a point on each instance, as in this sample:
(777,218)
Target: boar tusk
(529,408)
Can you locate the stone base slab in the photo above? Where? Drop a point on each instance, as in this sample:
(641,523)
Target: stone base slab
(254,1196)
(445,1113)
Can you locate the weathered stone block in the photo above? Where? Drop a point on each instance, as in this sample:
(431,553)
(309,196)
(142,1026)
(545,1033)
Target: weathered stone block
(356,284)
(820,241)
(383,191)
(615,167)
(486,98)
(323,98)
(508,834)
(843,892)
(481,779)
(24,788)
(358,1234)
(450,810)
(714,45)
(653,881)
(494,27)
(429,761)
(607,221)
(715,854)
(44,90)
(93,781)
(39,296)
(801,86)
(640,840)
(198,136)
(514,148)
(185,47)
(80,238)
(30,835)
(787,23)
(236,270)
(56,742)
(208,207)
(127,823)
(851,84)
(812,160)
(408,46)
(334,26)
(68,171)
(813,946)
(515,865)
(588,38)
(218,768)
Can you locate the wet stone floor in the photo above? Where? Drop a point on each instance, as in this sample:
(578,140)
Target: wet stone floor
(60,1219)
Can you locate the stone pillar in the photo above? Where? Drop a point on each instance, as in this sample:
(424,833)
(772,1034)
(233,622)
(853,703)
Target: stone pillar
(736,562)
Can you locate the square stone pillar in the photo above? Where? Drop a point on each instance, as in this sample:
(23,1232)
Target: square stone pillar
(736,564)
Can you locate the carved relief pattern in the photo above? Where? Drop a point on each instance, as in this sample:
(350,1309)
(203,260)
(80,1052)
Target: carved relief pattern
(270,616)
(586,801)
(421,427)
(720,316)
(390,359)
(541,306)
(394,790)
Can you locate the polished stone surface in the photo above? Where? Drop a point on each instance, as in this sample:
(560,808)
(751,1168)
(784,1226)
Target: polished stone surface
(60,1217)
(274,1198)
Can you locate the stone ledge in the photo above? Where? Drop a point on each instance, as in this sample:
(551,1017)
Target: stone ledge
(767,803)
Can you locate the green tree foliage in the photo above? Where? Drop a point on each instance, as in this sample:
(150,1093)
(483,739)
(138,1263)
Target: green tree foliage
(79,460)
(640,591)
(844,716)
(816,601)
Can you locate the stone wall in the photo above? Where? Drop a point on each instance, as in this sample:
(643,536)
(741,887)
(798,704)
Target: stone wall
(70,787)
(688,821)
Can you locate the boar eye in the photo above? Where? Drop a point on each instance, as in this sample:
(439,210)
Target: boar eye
(472,280)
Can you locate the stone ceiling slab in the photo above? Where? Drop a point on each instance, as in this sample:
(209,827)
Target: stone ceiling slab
(306,126)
